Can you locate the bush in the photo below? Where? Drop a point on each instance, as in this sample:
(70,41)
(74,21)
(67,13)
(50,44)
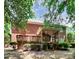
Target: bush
(70,37)
(64,45)
(13,43)
(72,45)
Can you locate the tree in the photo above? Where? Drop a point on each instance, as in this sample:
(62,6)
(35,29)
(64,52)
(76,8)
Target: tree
(16,14)
(70,37)
(56,8)
(70,34)
(7,33)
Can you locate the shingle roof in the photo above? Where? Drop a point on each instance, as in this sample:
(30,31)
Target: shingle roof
(31,30)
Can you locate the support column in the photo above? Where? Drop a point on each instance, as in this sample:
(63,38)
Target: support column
(41,40)
(51,39)
(65,35)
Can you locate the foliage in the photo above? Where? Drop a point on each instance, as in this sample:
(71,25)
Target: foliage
(72,45)
(64,45)
(54,26)
(61,41)
(70,37)
(13,43)
(56,8)
(17,12)
(7,34)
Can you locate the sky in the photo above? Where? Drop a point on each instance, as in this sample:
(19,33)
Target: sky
(41,10)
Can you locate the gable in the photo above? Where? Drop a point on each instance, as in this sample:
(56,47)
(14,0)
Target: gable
(31,29)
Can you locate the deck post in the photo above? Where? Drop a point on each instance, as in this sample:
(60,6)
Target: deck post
(65,35)
(41,40)
(51,39)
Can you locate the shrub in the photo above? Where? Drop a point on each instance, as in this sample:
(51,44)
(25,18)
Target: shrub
(70,37)
(64,45)
(72,45)
(13,43)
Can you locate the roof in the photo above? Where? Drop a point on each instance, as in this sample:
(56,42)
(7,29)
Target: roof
(33,28)
(38,21)
(33,21)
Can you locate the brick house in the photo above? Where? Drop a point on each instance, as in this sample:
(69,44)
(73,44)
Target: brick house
(35,32)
